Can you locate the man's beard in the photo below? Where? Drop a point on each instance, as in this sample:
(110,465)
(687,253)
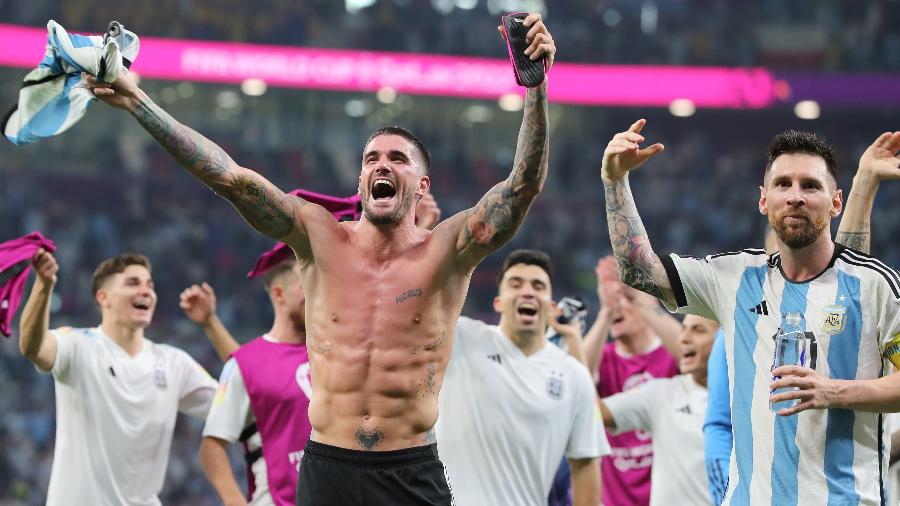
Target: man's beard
(405,201)
(801,236)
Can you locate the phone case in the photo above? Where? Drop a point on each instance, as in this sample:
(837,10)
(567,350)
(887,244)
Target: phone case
(529,73)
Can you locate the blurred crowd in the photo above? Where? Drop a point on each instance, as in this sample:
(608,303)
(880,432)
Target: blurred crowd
(105,187)
(833,35)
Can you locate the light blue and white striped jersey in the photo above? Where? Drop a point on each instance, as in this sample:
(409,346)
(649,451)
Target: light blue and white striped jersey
(817,457)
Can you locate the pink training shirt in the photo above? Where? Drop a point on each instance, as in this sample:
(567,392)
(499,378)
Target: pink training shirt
(626,472)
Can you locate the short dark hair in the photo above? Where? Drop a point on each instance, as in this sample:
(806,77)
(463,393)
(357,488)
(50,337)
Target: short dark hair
(793,141)
(277,271)
(526,257)
(411,137)
(115,265)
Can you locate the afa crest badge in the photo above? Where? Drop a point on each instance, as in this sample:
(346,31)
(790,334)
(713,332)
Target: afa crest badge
(555,387)
(834,318)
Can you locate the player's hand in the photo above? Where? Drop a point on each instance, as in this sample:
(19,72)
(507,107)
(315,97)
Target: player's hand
(814,391)
(624,154)
(118,94)
(199,303)
(540,42)
(880,161)
(609,287)
(45,266)
(571,330)
(428,214)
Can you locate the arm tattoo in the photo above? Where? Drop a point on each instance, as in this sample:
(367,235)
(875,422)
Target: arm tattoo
(369,439)
(500,212)
(859,241)
(265,207)
(634,255)
(202,158)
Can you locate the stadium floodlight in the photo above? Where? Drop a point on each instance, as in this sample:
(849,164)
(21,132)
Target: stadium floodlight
(478,113)
(682,107)
(254,87)
(511,102)
(168,95)
(354,6)
(357,108)
(228,99)
(185,89)
(807,109)
(612,18)
(386,95)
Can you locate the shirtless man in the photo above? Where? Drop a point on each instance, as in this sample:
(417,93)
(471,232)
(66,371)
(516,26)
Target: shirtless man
(383,296)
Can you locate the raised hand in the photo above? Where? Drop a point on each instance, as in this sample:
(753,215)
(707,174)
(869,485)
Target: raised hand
(881,160)
(609,287)
(541,44)
(199,303)
(117,94)
(428,214)
(45,266)
(623,153)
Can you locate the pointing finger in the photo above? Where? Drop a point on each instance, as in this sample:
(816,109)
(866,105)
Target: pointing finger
(637,126)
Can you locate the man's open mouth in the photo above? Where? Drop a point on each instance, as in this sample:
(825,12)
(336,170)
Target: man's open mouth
(527,310)
(383,189)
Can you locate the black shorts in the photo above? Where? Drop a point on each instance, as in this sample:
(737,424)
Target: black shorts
(332,476)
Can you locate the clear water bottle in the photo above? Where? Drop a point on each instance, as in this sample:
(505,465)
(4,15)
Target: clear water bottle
(791,348)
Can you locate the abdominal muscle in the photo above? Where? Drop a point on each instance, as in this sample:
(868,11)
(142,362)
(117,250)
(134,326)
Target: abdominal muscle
(377,375)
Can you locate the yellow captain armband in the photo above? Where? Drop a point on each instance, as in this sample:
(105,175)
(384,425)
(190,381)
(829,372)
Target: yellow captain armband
(892,351)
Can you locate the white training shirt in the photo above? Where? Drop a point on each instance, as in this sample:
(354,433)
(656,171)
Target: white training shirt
(115,415)
(852,310)
(672,410)
(229,415)
(506,420)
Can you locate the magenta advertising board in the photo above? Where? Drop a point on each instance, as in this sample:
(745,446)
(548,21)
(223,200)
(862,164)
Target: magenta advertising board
(367,71)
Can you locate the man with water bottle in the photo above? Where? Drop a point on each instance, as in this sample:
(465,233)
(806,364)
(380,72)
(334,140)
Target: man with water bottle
(808,329)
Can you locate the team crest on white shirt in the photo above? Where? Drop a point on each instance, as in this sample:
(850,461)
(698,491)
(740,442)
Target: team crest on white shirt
(159,379)
(834,318)
(555,385)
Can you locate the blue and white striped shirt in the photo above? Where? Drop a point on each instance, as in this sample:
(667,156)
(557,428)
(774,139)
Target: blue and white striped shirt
(818,457)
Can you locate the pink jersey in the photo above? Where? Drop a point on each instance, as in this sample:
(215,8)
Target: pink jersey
(626,472)
(277,379)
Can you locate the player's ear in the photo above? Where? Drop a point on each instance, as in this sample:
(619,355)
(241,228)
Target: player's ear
(277,292)
(763,204)
(498,307)
(101,297)
(424,186)
(837,203)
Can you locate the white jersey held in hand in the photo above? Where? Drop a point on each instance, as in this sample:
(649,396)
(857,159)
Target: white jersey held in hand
(115,415)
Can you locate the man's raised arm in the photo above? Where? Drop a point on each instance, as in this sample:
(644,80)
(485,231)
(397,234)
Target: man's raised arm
(498,215)
(876,164)
(639,265)
(265,207)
